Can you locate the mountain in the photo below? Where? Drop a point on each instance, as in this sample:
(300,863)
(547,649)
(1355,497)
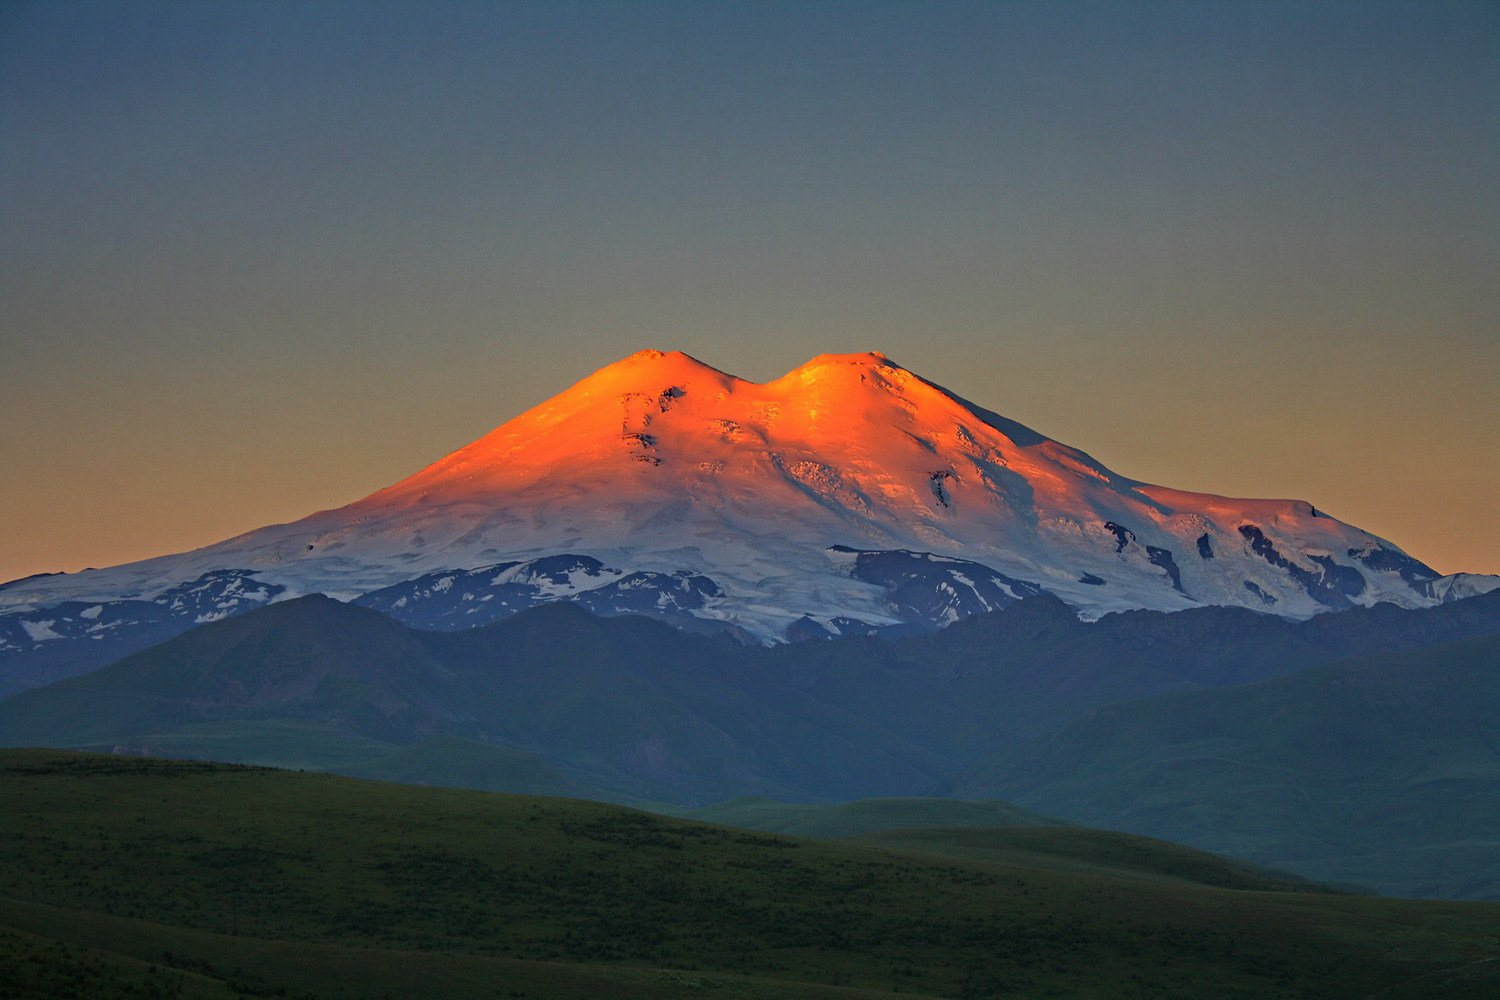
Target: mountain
(1023,671)
(1382,770)
(630,708)
(849,496)
(49,643)
(627,708)
(1014,704)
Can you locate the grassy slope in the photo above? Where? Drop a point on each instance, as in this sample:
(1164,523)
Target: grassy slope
(998,832)
(1089,852)
(303,744)
(849,819)
(47,951)
(289,743)
(327,887)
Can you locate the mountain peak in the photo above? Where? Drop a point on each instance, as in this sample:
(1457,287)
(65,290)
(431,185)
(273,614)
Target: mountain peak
(860,359)
(652,364)
(858,365)
(829,491)
(643,369)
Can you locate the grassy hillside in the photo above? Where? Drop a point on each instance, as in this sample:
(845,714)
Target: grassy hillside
(306,744)
(228,878)
(1381,771)
(91,956)
(997,832)
(848,819)
(1097,852)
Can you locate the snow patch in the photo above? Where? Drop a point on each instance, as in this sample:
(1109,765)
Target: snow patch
(40,631)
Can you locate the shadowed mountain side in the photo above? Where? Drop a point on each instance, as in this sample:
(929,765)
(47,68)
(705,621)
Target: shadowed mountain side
(671,715)
(636,709)
(628,707)
(55,661)
(458,763)
(1383,771)
(308,658)
(1022,671)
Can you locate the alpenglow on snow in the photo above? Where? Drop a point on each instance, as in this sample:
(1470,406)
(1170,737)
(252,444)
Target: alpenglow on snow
(848,496)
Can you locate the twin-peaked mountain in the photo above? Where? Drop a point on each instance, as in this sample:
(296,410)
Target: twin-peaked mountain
(848,496)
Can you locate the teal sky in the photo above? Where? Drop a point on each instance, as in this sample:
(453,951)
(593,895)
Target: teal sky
(262,258)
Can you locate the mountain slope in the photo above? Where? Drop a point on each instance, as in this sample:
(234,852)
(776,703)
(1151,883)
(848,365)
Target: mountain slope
(863,816)
(1023,671)
(310,658)
(629,709)
(850,492)
(626,707)
(1383,771)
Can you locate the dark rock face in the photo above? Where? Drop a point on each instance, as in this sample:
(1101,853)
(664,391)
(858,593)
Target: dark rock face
(1123,535)
(935,481)
(805,629)
(1346,580)
(1265,598)
(934,590)
(1163,558)
(1205,547)
(1331,587)
(1417,575)
(219,594)
(650,594)
(469,598)
(1158,556)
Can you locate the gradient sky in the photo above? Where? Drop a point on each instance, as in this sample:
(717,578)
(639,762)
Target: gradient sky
(258,259)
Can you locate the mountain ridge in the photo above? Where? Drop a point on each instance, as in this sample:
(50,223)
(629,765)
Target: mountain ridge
(630,709)
(850,492)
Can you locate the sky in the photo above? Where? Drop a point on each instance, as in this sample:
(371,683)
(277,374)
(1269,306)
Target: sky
(259,259)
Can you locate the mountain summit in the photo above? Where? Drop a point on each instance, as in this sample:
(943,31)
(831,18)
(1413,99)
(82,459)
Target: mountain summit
(850,494)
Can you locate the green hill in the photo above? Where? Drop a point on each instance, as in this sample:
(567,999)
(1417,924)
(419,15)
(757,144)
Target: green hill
(124,874)
(997,832)
(1092,852)
(848,819)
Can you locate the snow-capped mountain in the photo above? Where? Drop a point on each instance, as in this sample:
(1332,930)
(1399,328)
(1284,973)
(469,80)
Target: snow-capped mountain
(849,495)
